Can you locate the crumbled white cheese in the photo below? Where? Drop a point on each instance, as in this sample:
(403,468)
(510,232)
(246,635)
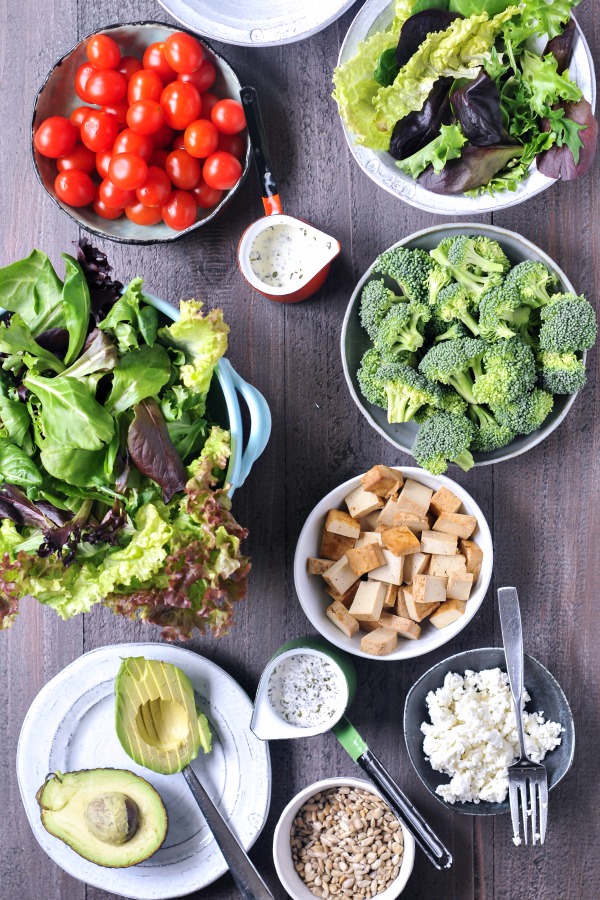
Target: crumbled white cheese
(473,735)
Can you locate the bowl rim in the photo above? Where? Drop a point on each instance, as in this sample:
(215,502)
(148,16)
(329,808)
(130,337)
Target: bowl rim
(533,439)
(281,839)
(411,649)
(67,211)
(488,808)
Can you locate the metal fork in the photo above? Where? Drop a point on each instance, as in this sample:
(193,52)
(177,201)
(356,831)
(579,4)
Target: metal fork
(523,773)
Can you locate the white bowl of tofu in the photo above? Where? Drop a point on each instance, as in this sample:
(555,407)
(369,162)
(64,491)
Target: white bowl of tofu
(394,563)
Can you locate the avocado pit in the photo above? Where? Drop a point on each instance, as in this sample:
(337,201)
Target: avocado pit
(112,817)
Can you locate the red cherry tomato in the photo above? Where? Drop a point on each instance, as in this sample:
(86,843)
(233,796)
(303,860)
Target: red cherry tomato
(128,66)
(181,103)
(183,170)
(206,197)
(209,101)
(74,187)
(228,116)
(144,85)
(163,137)
(128,171)
(183,52)
(154,58)
(156,188)
(115,197)
(234,144)
(105,87)
(143,215)
(145,116)
(103,52)
(99,130)
(178,142)
(159,158)
(222,170)
(203,78)
(102,162)
(131,142)
(55,137)
(119,111)
(79,158)
(201,138)
(106,212)
(179,211)
(79,114)
(81,79)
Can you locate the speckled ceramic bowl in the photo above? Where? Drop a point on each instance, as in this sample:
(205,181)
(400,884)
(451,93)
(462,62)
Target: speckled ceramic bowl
(57,97)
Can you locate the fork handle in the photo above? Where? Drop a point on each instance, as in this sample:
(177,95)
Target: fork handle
(512,636)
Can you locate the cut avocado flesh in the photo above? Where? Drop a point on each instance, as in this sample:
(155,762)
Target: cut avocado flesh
(157,722)
(109,816)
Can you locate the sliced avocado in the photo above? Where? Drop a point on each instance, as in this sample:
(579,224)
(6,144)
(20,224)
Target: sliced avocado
(109,816)
(156,717)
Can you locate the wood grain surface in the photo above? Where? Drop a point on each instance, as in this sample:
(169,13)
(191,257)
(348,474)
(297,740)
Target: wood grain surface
(542,507)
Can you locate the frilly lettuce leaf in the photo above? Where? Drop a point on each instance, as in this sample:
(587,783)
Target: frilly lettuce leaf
(447,145)
(539,17)
(545,85)
(203,341)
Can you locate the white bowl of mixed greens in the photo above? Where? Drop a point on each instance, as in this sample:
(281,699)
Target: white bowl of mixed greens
(465,114)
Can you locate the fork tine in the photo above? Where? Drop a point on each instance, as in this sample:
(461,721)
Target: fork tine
(543,809)
(533,800)
(522,785)
(514,806)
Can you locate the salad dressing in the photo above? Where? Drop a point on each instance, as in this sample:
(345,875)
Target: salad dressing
(305,690)
(287,256)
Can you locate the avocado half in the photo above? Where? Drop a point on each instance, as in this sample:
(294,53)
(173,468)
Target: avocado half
(157,722)
(111,817)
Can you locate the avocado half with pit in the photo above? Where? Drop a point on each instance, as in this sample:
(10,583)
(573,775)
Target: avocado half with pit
(109,816)
(157,722)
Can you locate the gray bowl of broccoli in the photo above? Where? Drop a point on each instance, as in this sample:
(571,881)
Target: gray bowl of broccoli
(476,342)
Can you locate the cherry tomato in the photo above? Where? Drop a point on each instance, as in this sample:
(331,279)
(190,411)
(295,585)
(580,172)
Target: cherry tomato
(79,114)
(181,103)
(79,158)
(228,116)
(74,187)
(203,78)
(99,130)
(128,171)
(163,137)
(206,197)
(119,111)
(159,158)
(103,52)
(178,142)
(183,170)
(222,170)
(183,52)
(156,188)
(201,138)
(143,215)
(145,116)
(102,162)
(154,58)
(106,212)
(234,144)
(128,66)
(105,86)
(131,142)
(81,79)
(144,85)
(179,212)
(209,101)
(115,197)
(55,137)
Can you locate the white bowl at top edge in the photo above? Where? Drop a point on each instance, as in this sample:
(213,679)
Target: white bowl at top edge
(282,854)
(311,588)
(380,166)
(354,340)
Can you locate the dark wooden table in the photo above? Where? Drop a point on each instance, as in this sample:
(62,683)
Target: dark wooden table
(542,507)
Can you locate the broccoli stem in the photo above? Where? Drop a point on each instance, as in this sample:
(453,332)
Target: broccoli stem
(471,323)
(465,460)
(400,407)
(463,384)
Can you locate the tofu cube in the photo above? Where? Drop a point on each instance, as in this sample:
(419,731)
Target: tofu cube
(444,501)
(369,626)
(415,564)
(317,566)
(418,611)
(429,589)
(381,480)
(474,557)
(340,522)
(340,576)
(368,601)
(447,565)
(341,618)
(404,627)
(455,523)
(438,542)
(401,607)
(361,502)
(459,586)
(369,523)
(368,537)
(364,559)
(400,541)
(393,517)
(388,514)
(345,598)
(447,613)
(415,497)
(390,597)
(334,546)
(391,572)
(380,642)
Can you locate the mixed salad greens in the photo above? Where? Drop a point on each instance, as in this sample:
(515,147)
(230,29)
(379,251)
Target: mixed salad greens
(468,346)
(112,475)
(466,94)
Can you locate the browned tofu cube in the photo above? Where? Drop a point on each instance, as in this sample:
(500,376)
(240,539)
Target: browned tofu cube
(381,480)
(369,626)
(444,501)
(345,598)
(459,586)
(340,576)
(447,613)
(456,523)
(474,557)
(388,513)
(391,572)
(361,502)
(390,596)
(369,523)
(368,537)
(341,618)
(415,497)
(340,522)
(418,611)
(364,559)
(404,627)
(401,607)
(415,564)
(395,518)
(446,565)
(317,566)
(334,546)
(368,601)
(438,542)
(400,541)
(380,642)
(429,589)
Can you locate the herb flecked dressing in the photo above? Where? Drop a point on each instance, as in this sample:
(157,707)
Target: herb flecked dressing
(288,255)
(305,690)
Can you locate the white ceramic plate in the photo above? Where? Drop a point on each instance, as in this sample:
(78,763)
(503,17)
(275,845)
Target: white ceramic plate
(70,726)
(311,588)
(261,24)
(377,15)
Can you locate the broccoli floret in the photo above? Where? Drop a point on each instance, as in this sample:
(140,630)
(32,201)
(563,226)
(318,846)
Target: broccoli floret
(437,279)
(376,300)
(531,280)
(508,372)
(407,392)
(442,439)
(568,326)
(501,314)
(410,270)
(472,277)
(456,363)
(368,378)
(562,373)
(452,333)
(401,329)
(479,253)
(490,434)
(453,402)
(527,413)
(455,303)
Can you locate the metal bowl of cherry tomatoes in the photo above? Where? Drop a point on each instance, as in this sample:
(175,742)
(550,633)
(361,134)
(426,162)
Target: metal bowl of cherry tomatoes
(138,133)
